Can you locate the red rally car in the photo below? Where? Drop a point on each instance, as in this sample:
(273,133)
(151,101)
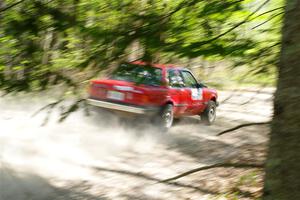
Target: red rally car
(162,92)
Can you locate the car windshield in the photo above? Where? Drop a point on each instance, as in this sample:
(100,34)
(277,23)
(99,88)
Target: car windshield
(138,74)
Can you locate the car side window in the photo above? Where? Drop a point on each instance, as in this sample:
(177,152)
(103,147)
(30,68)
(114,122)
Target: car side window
(175,79)
(189,79)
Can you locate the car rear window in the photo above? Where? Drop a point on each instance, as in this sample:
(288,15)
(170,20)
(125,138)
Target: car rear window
(138,74)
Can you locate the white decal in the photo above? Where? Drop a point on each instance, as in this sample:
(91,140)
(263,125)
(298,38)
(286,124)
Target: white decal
(197,94)
(123,88)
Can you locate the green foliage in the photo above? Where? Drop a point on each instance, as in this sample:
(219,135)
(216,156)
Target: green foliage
(50,42)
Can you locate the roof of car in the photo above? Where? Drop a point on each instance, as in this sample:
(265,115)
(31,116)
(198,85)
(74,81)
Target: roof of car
(154,65)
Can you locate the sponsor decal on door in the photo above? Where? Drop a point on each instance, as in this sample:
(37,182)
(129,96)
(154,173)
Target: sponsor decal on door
(197,94)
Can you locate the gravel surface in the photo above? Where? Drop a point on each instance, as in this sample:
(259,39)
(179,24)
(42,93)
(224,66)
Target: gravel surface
(100,157)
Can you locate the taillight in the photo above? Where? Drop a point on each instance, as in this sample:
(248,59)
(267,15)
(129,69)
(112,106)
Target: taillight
(96,90)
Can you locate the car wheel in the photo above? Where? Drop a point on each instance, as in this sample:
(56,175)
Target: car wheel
(165,118)
(209,114)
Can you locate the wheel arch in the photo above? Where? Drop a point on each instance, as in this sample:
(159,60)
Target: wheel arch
(213,98)
(169,102)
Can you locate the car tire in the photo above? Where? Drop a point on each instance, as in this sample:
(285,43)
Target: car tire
(164,120)
(209,114)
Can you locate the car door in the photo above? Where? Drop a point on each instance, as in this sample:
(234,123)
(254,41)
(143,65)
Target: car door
(177,91)
(195,92)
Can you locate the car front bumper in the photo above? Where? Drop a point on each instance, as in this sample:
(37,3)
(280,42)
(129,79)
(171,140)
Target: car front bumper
(121,107)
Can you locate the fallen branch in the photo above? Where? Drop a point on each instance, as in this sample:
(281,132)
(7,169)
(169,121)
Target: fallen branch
(156,180)
(253,96)
(232,94)
(243,125)
(235,165)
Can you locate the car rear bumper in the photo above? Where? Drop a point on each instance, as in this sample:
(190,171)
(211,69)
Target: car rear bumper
(121,107)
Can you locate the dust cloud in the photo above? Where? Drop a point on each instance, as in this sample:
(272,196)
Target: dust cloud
(79,139)
(31,149)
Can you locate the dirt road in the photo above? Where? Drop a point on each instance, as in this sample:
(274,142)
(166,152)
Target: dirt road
(97,157)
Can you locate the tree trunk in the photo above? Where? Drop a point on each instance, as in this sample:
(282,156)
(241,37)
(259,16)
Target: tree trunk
(282,181)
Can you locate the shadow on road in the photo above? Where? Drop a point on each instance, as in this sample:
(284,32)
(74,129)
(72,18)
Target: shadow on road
(23,186)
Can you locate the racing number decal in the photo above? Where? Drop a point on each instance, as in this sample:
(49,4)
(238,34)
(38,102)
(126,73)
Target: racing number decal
(197,94)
